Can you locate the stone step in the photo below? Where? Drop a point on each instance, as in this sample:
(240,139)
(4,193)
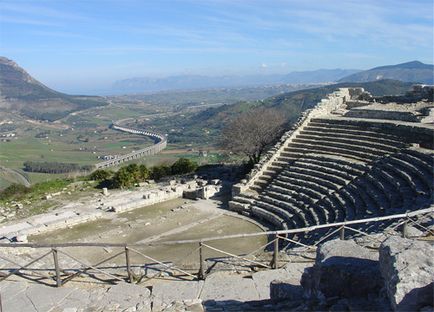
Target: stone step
(305,195)
(237,206)
(374,205)
(269,217)
(325,122)
(336,139)
(304,214)
(347,124)
(308,177)
(351,203)
(371,137)
(324,168)
(297,219)
(401,175)
(284,161)
(325,150)
(341,212)
(422,165)
(381,188)
(322,173)
(418,176)
(428,159)
(285,214)
(319,216)
(338,164)
(391,185)
(329,210)
(333,129)
(243,199)
(354,147)
(405,186)
(306,184)
(291,197)
(360,205)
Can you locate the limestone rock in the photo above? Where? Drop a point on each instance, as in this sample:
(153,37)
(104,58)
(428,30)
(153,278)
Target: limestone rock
(285,290)
(407,267)
(343,269)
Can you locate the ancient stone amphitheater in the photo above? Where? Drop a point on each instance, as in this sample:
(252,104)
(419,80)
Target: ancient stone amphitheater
(351,157)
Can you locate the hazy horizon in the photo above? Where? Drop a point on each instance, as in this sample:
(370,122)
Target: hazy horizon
(87,45)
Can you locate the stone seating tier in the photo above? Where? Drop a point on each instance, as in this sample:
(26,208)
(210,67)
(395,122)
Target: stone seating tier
(336,169)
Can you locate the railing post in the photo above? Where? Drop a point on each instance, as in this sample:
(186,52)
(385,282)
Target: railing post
(128,265)
(405,230)
(275,263)
(202,266)
(56,267)
(342,232)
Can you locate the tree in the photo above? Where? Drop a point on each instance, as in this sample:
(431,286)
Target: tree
(252,132)
(183,166)
(143,172)
(158,172)
(100,175)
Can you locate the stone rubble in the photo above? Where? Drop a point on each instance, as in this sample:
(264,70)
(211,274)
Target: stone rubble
(407,266)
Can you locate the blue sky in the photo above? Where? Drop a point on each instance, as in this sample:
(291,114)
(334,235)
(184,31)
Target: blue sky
(82,45)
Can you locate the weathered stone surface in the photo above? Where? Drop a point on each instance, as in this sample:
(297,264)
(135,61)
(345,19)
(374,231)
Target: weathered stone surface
(263,280)
(291,274)
(286,290)
(167,292)
(184,305)
(407,267)
(343,269)
(221,286)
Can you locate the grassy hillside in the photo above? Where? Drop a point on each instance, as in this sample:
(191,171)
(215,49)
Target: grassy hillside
(21,93)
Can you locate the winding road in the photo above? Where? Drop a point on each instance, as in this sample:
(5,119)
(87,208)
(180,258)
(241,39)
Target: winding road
(160,144)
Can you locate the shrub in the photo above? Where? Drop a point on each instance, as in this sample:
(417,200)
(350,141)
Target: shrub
(100,175)
(183,166)
(14,191)
(158,172)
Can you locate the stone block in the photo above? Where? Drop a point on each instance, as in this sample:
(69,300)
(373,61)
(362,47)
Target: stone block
(285,290)
(220,286)
(342,269)
(407,267)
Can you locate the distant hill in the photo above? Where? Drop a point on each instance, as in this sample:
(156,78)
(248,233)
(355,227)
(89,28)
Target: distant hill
(21,93)
(411,72)
(318,76)
(197,82)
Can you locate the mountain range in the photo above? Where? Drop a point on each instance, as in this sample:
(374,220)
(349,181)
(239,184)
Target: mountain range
(414,71)
(21,93)
(197,82)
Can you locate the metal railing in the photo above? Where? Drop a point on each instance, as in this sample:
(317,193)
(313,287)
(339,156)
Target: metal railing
(60,275)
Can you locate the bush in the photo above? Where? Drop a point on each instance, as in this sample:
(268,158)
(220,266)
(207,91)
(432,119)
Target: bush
(158,172)
(132,174)
(144,172)
(123,178)
(18,191)
(183,166)
(14,191)
(100,175)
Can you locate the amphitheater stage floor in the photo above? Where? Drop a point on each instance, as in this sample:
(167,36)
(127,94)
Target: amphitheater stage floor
(178,219)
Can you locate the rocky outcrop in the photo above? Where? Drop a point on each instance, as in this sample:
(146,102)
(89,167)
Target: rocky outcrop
(343,269)
(407,267)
